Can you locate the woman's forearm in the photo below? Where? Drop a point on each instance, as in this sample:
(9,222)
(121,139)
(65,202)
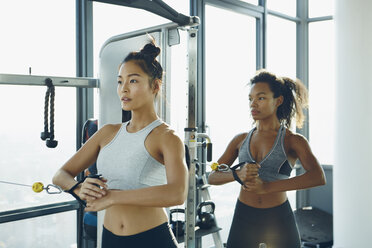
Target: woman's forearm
(307,180)
(220,177)
(155,196)
(64,180)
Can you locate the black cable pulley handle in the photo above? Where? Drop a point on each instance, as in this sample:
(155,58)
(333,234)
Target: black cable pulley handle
(209,152)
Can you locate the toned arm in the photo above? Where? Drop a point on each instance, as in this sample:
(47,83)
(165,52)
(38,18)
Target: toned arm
(82,159)
(228,158)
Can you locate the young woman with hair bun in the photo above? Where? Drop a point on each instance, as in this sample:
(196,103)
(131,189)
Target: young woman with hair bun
(267,155)
(141,161)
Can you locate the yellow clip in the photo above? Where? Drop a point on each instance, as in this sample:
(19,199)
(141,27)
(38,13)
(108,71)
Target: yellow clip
(214,166)
(38,187)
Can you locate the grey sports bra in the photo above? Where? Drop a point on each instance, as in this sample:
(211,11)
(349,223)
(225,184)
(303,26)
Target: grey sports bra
(125,162)
(275,165)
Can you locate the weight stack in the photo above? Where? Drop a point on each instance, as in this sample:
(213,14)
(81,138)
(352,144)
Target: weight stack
(315,226)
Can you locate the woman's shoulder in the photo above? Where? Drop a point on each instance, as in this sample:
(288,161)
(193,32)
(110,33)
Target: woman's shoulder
(295,138)
(110,128)
(164,135)
(165,131)
(103,135)
(240,137)
(107,131)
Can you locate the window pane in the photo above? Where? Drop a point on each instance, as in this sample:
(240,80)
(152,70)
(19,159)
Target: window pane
(287,7)
(43,39)
(39,34)
(230,62)
(25,158)
(321,8)
(57,231)
(322,90)
(281,46)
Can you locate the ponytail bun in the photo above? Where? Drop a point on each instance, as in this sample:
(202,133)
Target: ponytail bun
(146,59)
(150,50)
(296,92)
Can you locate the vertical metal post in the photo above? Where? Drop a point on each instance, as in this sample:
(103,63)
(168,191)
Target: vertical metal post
(84,63)
(190,137)
(84,97)
(302,72)
(261,37)
(197,8)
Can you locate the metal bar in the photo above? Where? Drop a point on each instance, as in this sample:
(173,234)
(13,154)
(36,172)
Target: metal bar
(261,34)
(27,213)
(190,138)
(319,19)
(136,33)
(15,79)
(157,7)
(167,78)
(197,8)
(283,16)
(84,97)
(302,72)
(238,6)
(234,4)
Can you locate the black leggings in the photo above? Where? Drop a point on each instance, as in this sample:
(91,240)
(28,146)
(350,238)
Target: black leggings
(276,227)
(157,237)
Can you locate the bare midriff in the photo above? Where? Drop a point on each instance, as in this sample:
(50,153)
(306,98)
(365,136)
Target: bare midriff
(262,200)
(127,220)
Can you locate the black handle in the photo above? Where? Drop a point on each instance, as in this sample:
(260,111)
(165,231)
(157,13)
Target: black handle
(209,152)
(206,203)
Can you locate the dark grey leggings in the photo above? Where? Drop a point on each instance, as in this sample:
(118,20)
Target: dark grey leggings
(157,237)
(276,227)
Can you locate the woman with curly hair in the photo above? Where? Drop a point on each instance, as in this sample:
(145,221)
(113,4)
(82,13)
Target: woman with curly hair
(267,155)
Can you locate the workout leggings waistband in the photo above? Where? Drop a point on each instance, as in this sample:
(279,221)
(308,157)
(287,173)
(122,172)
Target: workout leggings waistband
(158,237)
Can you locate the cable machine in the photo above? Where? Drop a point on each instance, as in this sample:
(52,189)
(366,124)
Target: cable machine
(197,184)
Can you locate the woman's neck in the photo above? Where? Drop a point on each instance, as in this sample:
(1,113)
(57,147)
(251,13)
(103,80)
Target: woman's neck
(141,120)
(263,125)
